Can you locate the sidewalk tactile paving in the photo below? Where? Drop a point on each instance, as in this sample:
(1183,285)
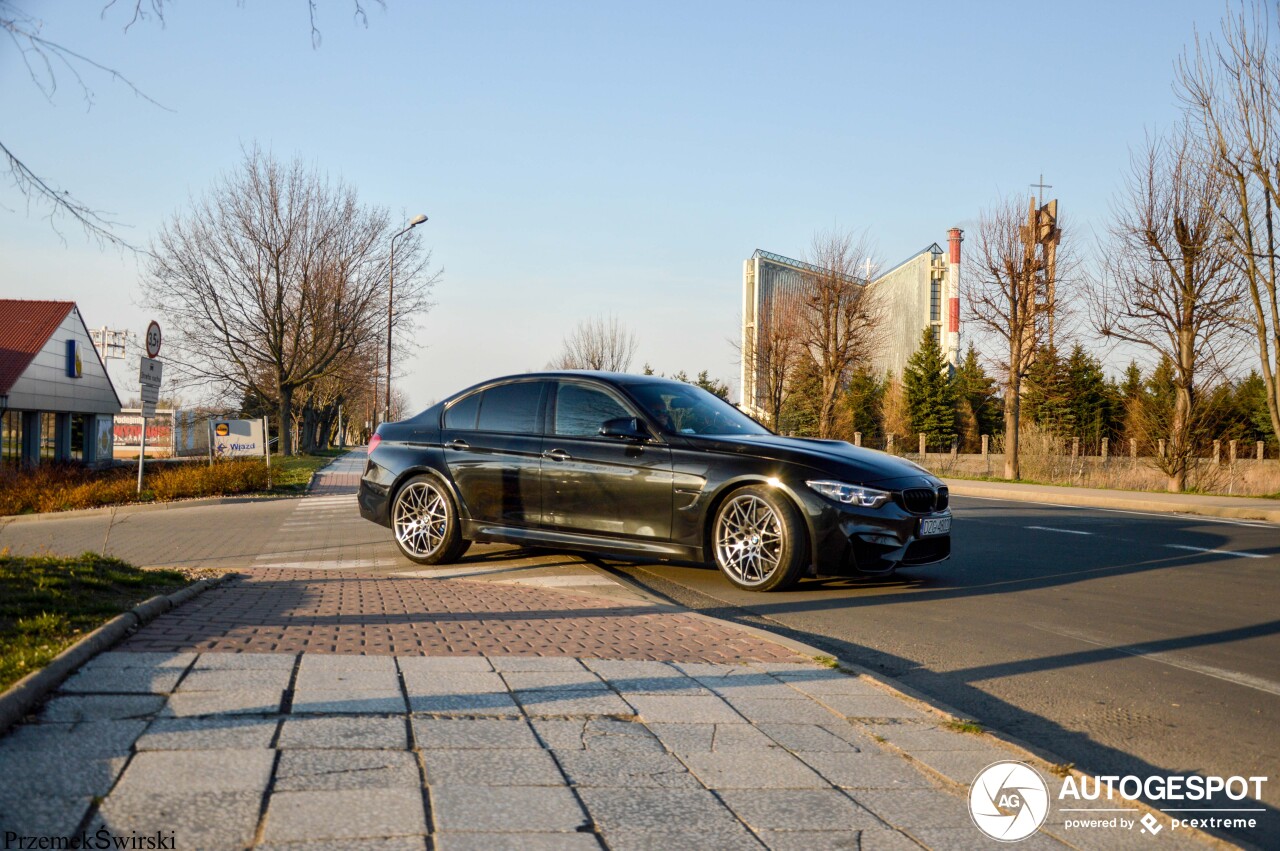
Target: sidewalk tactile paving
(522,629)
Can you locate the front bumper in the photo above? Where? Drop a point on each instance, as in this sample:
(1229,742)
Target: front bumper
(850,541)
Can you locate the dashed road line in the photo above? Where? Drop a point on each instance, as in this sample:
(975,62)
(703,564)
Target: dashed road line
(1166,658)
(1235,553)
(1065,531)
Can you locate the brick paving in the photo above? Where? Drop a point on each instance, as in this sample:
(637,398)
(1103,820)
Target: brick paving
(320,611)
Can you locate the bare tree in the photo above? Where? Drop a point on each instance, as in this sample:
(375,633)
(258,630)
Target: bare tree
(837,318)
(45,59)
(1170,285)
(1006,276)
(277,279)
(600,344)
(1231,88)
(776,356)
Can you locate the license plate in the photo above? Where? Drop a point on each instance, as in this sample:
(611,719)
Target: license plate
(935,526)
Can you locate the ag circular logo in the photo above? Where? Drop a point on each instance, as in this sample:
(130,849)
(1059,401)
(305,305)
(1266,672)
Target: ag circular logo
(1008,801)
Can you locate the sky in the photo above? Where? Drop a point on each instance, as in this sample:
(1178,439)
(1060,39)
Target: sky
(582,159)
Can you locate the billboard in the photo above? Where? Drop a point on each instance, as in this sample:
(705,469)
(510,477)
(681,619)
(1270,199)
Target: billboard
(237,438)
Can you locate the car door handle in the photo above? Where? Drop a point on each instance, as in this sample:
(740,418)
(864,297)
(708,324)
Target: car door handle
(556,455)
(458,444)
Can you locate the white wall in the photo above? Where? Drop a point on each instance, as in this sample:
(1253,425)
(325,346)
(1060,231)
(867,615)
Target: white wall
(45,385)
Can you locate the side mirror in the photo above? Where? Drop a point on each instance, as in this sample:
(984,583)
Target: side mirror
(628,428)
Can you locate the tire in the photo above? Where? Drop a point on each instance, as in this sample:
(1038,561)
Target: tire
(758,540)
(424,522)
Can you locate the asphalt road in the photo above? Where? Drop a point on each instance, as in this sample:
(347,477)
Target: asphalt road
(1125,643)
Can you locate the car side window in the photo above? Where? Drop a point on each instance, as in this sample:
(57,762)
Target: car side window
(580,410)
(462,413)
(511,407)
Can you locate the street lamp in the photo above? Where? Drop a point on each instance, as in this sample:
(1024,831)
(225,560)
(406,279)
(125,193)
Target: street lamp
(391,290)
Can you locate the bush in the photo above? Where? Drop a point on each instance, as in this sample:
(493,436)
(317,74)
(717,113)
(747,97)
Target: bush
(61,487)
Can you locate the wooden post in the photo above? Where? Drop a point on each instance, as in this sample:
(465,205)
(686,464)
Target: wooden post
(1106,450)
(857,438)
(955,448)
(888,447)
(1075,448)
(986,452)
(1261,449)
(1133,448)
(923,437)
(1217,452)
(1231,451)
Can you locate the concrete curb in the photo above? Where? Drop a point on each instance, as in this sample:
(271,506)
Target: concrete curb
(1208,506)
(20,697)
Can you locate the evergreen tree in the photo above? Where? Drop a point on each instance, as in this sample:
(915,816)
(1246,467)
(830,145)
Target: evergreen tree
(1045,399)
(1133,399)
(1251,402)
(931,392)
(800,411)
(980,410)
(864,400)
(1090,403)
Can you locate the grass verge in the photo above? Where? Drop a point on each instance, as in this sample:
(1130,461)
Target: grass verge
(292,473)
(47,604)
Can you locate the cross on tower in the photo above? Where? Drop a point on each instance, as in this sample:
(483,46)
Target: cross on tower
(1042,186)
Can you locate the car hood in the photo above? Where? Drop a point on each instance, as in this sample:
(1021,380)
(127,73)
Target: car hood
(835,458)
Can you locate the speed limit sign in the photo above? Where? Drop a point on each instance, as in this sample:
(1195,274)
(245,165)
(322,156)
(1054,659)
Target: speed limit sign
(153,339)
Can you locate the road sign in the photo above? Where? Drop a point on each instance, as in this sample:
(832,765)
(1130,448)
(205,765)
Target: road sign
(149,371)
(153,339)
(150,393)
(148,411)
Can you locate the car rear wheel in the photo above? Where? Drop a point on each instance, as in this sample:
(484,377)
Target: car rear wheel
(425,522)
(758,540)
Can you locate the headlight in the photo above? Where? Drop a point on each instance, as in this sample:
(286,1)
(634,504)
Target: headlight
(850,494)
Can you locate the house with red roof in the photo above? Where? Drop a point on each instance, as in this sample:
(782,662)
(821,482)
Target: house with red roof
(56,399)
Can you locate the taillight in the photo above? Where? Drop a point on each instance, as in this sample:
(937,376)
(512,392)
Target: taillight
(373,443)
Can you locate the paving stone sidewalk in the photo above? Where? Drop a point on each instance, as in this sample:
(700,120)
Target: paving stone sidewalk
(393,712)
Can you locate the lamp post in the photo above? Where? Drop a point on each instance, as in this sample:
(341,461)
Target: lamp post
(391,290)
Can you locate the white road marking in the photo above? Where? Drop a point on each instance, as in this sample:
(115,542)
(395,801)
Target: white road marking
(1067,531)
(1216,552)
(1166,658)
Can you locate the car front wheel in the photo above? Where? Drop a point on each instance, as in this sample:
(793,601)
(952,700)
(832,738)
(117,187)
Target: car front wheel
(425,522)
(758,540)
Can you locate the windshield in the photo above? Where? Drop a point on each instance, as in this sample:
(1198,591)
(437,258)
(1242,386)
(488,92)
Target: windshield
(680,408)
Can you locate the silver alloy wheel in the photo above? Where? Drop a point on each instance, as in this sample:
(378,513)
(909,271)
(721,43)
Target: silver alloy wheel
(421,519)
(749,539)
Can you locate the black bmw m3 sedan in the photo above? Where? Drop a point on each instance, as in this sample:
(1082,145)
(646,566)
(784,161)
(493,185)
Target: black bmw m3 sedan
(647,467)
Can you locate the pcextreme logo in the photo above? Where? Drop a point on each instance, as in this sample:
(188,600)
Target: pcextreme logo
(1008,801)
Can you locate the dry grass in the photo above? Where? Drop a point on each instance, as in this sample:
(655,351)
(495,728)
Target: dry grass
(1047,462)
(56,487)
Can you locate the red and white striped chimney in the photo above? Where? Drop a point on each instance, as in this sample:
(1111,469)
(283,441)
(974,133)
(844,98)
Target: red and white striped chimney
(954,237)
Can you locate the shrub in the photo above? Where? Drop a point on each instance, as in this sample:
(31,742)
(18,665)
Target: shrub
(61,487)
